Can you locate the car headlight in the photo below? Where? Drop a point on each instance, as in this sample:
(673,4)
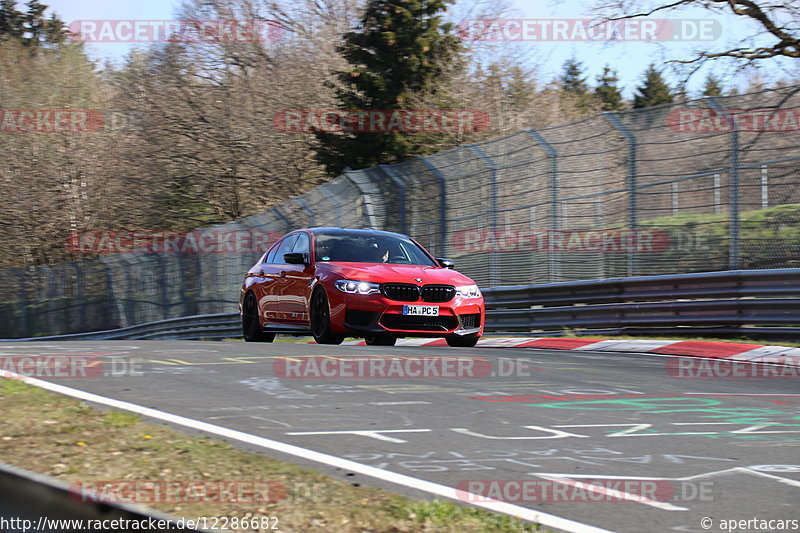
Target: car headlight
(468,291)
(357,287)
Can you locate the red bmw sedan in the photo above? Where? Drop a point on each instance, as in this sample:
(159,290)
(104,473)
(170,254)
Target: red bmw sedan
(335,282)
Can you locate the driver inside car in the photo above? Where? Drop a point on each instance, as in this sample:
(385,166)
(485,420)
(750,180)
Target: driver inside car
(379,253)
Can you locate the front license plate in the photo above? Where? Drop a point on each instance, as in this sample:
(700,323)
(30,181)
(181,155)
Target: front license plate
(421,310)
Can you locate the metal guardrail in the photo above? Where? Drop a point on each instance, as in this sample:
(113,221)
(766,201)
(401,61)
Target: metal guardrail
(728,302)
(38,502)
(725,303)
(216,326)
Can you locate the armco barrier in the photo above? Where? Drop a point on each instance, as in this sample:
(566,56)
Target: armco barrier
(730,298)
(42,500)
(728,302)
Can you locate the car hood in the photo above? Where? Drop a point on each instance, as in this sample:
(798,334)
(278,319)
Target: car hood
(385,273)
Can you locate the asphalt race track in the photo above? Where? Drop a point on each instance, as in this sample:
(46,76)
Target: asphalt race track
(662,453)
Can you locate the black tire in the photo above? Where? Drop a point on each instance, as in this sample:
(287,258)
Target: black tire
(381,340)
(321,320)
(251,327)
(458,341)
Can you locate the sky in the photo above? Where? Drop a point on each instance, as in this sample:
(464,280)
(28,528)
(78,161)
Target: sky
(630,59)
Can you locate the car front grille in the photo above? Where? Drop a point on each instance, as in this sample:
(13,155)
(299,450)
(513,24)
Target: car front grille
(420,323)
(438,293)
(401,292)
(406,292)
(470,321)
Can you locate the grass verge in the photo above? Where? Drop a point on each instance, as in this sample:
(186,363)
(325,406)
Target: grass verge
(73,441)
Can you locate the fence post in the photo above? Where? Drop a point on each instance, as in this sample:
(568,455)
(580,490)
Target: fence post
(617,124)
(163,266)
(337,206)
(23,303)
(764,187)
(553,258)
(401,193)
(110,300)
(442,205)
(285,220)
(80,285)
(674,198)
(368,211)
(310,214)
(493,208)
(183,276)
(734,222)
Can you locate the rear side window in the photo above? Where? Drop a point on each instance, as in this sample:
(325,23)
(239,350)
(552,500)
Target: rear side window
(283,247)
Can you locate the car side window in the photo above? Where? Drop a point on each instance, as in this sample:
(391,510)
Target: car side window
(285,247)
(271,254)
(303,244)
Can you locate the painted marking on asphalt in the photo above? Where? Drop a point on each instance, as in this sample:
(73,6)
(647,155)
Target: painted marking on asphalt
(374,433)
(666,506)
(749,470)
(411,388)
(430,487)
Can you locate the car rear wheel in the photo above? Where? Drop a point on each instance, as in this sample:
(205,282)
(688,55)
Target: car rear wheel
(251,328)
(459,341)
(321,320)
(381,340)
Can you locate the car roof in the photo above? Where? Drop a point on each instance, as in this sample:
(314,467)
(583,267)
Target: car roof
(352,231)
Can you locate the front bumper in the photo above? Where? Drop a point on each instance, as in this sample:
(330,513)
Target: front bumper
(377,315)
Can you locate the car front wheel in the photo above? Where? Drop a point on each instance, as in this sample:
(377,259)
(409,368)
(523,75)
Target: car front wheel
(321,320)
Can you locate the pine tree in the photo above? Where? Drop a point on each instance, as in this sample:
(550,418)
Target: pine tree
(607,91)
(31,28)
(54,32)
(399,53)
(572,80)
(653,91)
(713,86)
(35,22)
(11,20)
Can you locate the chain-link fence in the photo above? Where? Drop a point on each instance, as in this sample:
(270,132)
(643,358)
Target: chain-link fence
(706,185)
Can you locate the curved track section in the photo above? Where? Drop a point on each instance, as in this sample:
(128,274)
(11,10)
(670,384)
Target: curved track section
(580,441)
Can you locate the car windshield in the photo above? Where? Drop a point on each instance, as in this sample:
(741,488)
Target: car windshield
(369,248)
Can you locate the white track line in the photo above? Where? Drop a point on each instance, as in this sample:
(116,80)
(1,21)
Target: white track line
(497,506)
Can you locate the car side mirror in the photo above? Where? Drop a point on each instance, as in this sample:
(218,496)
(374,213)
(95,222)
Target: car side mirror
(296,258)
(445,263)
